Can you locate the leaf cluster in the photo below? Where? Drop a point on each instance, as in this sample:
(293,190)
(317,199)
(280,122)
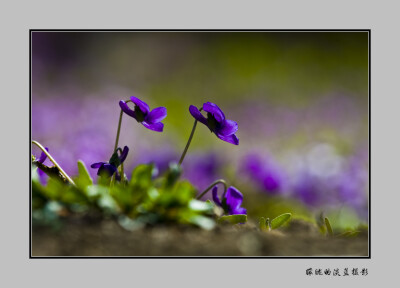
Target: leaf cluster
(144,200)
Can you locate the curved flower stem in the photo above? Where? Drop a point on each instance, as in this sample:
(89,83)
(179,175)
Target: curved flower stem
(118,130)
(190,140)
(211,186)
(54,162)
(119,127)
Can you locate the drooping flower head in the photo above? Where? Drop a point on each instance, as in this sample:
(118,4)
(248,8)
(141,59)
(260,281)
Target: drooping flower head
(111,167)
(231,202)
(149,119)
(224,129)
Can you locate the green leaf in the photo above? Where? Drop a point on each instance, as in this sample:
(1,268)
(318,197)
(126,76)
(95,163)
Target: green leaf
(54,189)
(233,219)
(142,175)
(107,203)
(71,195)
(328,227)
(280,220)
(262,224)
(95,191)
(173,174)
(184,191)
(104,179)
(321,223)
(203,222)
(200,206)
(83,180)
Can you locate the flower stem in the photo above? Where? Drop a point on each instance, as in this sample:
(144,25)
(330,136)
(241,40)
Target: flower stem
(54,162)
(190,140)
(119,127)
(211,186)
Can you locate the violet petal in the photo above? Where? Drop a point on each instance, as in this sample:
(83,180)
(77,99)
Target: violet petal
(142,105)
(107,168)
(124,106)
(156,115)
(228,127)
(42,176)
(155,127)
(239,210)
(230,139)
(124,154)
(97,165)
(233,199)
(197,114)
(214,110)
(43,156)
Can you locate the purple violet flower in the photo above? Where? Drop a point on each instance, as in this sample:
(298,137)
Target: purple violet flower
(43,156)
(149,119)
(109,168)
(231,202)
(42,175)
(224,129)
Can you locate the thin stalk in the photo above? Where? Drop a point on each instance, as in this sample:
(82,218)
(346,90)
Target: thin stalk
(119,127)
(54,162)
(118,130)
(190,140)
(211,186)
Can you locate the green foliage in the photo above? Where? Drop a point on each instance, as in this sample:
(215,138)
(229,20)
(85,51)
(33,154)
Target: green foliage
(266,225)
(280,220)
(325,228)
(83,180)
(144,200)
(142,176)
(233,219)
(262,224)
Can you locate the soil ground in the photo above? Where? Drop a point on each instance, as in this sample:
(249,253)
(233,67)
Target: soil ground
(83,237)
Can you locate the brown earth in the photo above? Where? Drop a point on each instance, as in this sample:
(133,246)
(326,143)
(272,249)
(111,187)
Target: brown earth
(79,237)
